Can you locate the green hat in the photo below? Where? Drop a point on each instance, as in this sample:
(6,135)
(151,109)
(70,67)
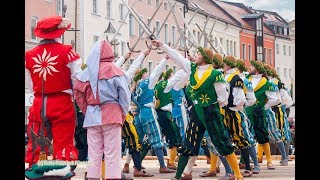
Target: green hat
(162,75)
(218,60)
(241,65)
(139,74)
(167,74)
(259,66)
(269,72)
(274,73)
(37,171)
(206,53)
(230,61)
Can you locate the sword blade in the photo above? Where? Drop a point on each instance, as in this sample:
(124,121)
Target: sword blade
(148,23)
(165,20)
(135,16)
(124,19)
(205,36)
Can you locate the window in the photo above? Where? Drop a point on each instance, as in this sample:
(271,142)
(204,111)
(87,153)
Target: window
(215,42)
(231,47)
(221,42)
(165,5)
(166,35)
(285,72)
(234,48)
(173,35)
(109,8)
(227,47)
(94,6)
(194,34)
(243,51)
(289,50)
(264,54)
(131,25)
(199,37)
(205,41)
(123,48)
(149,1)
(181,41)
(158,28)
(149,67)
(95,38)
(278,70)
(174,69)
(270,56)
(249,52)
(284,50)
(59,7)
(140,27)
(34,21)
(277,48)
(157,3)
(121,8)
(167,67)
(290,73)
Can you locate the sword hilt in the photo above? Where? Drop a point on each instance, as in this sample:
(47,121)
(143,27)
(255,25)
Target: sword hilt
(132,50)
(42,156)
(151,37)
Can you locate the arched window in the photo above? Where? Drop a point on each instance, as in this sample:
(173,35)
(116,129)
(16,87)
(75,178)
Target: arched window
(34,21)
(109,4)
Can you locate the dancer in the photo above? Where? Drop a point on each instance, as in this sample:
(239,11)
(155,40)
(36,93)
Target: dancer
(245,122)
(51,68)
(146,122)
(164,111)
(102,93)
(129,131)
(209,93)
(266,97)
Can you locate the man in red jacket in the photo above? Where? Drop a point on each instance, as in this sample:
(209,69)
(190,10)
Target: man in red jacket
(51,68)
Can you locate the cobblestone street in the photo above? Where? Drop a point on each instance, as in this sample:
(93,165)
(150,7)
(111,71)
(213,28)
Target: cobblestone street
(152,166)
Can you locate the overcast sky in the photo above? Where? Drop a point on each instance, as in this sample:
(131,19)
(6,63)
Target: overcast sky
(285,8)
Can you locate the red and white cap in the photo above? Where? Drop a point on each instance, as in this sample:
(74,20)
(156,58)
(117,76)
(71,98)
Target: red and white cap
(51,27)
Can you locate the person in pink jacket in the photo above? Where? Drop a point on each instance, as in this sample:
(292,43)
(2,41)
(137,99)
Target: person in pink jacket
(102,93)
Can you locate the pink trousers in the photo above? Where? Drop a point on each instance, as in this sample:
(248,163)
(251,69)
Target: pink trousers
(104,139)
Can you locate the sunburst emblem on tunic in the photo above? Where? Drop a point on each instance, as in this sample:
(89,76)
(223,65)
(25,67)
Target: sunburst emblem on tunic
(204,98)
(44,64)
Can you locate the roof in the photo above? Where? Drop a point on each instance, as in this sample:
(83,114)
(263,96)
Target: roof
(212,8)
(237,11)
(242,12)
(272,18)
(252,16)
(267,30)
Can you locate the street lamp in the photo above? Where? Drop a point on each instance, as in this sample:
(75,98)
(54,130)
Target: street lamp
(109,34)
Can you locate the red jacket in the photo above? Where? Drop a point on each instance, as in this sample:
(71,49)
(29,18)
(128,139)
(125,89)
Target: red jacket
(49,61)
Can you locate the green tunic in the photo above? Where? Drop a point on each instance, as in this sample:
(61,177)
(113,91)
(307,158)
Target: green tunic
(205,114)
(201,91)
(257,114)
(163,99)
(260,91)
